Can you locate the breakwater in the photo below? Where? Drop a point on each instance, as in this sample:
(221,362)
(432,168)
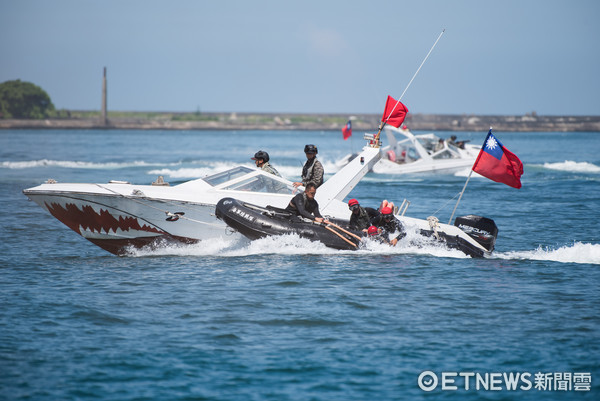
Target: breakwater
(291,121)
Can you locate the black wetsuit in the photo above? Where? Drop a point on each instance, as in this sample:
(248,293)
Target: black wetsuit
(389,227)
(300,205)
(362,220)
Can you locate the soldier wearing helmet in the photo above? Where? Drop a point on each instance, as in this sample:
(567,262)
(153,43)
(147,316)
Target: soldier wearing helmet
(261,158)
(312,171)
(377,234)
(360,219)
(389,224)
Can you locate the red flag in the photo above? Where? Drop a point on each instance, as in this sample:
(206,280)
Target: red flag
(394,113)
(498,163)
(347,130)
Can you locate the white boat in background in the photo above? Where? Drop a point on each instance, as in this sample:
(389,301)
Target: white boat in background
(423,153)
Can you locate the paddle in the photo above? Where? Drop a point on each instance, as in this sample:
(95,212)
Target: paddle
(341,236)
(345,231)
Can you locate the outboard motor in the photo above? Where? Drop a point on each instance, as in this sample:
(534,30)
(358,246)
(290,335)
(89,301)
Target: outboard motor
(481,229)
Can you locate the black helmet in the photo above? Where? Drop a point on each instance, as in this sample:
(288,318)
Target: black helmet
(310,149)
(261,155)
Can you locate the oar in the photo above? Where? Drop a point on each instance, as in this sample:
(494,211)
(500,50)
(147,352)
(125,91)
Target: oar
(341,236)
(345,231)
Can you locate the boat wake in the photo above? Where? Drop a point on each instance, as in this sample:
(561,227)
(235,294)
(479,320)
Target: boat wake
(291,244)
(577,253)
(571,166)
(238,246)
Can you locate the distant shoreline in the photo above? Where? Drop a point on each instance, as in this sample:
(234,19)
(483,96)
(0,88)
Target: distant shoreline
(324,122)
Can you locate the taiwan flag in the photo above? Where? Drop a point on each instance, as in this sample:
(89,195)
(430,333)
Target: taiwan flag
(347,130)
(498,163)
(394,113)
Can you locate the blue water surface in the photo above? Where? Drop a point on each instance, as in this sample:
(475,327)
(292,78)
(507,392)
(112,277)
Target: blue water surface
(286,319)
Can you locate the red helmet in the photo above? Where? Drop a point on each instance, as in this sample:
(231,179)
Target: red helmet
(352,202)
(386,210)
(372,230)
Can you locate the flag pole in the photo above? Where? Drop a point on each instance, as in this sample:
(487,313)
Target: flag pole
(465,187)
(461,194)
(407,86)
(419,69)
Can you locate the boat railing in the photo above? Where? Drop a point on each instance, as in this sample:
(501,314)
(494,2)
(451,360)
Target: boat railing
(402,209)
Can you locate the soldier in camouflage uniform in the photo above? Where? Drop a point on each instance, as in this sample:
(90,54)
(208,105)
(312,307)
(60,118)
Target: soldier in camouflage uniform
(313,171)
(261,159)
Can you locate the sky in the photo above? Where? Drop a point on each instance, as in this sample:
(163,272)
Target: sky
(509,57)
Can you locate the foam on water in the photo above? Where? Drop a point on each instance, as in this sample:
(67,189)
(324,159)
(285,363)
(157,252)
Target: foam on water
(577,253)
(572,166)
(567,165)
(290,244)
(236,245)
(286,171)
(465,173)
(15,165)
(186,172)
(413,244)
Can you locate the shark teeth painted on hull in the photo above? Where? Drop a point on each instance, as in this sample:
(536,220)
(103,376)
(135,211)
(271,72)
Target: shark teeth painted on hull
(86,221)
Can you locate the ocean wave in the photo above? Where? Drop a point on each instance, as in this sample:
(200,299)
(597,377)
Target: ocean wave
(203,169)
(291,173)
(572,166)
(577,253)
(185,172)
(72,164)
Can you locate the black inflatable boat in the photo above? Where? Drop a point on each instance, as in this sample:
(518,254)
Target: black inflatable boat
(257,222)
(473,235)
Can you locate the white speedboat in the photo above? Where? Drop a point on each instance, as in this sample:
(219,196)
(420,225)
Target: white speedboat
(119,215)
(423,153)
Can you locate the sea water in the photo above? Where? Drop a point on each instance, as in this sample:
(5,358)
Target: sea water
(287,319)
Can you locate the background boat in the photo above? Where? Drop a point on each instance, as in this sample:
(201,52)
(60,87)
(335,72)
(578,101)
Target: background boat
(406,153)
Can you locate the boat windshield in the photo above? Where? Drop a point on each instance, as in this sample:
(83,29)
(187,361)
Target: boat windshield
(446,154)
(429,143)
(404,153)
(227,175)
(261,183)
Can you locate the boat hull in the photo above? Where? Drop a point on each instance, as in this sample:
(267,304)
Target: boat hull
(473,235)
(117,224)
(118,215)
(450,166)
(256,222)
